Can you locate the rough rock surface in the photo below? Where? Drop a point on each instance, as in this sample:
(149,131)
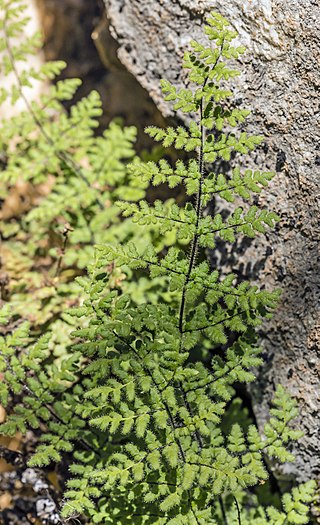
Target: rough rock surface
(279,82)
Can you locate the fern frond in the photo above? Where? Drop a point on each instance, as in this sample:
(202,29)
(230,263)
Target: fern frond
(137,403)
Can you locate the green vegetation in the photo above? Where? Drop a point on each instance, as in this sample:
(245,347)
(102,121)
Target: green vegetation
(140,400)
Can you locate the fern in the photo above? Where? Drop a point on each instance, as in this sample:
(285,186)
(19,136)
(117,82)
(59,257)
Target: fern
(294,508)
(59,181)
(139,406)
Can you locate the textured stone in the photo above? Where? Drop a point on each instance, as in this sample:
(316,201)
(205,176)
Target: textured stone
(279,83)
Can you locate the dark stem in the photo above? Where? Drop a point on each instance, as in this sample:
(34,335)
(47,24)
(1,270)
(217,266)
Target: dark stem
(214,324)
(188,407)
(194,246)
(238,510)
(65,234)
(223,511)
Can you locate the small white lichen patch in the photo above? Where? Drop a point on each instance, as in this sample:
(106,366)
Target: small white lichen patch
(255,21)
(256,24)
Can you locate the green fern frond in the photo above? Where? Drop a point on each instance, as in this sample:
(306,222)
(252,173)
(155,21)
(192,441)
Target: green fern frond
(131,406)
